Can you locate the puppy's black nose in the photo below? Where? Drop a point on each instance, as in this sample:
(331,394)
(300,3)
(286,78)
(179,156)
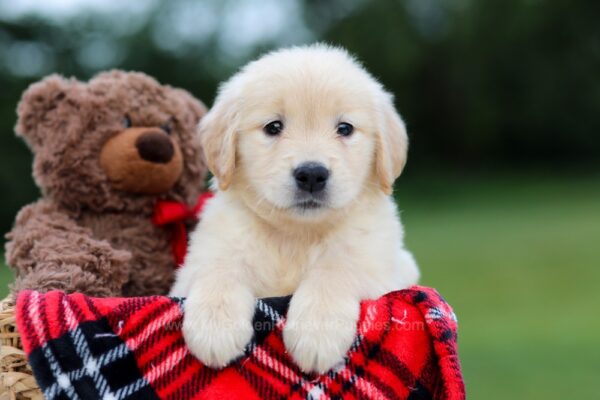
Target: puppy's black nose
(311,177)
(155,146)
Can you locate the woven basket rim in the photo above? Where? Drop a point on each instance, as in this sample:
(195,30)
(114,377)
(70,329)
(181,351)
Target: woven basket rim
(16,377)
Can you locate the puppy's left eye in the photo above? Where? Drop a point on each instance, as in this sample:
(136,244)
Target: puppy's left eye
(273,128)
(345,129)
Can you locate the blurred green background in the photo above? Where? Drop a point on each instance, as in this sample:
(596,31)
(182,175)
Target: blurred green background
(501,196)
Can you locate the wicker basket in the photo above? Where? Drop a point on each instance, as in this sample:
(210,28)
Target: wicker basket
(16,378)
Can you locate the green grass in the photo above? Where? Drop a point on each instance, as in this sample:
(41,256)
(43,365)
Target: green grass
(6,276)
(519,260)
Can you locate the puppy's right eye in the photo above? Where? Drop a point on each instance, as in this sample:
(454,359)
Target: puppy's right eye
(273,128)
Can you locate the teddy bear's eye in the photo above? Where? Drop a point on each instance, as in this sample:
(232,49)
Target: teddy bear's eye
(126,121)
(168,126)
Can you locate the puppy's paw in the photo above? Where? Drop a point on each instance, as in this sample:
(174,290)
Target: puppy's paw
(318,337)
(217,335)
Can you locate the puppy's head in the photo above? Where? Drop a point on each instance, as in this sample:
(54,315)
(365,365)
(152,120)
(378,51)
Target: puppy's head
(304,131)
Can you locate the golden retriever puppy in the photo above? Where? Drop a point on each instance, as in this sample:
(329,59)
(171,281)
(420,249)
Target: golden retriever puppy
(305,146)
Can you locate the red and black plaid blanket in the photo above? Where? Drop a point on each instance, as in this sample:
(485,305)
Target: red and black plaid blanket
(132,348)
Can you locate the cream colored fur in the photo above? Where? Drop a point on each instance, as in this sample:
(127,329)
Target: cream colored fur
(254,242)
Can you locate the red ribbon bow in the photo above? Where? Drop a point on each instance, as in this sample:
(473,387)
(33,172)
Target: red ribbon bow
(175,213)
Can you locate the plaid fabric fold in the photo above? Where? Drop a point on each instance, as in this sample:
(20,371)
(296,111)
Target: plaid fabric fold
(132,348)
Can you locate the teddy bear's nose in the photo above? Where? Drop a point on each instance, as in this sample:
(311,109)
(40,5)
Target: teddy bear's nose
(155,146)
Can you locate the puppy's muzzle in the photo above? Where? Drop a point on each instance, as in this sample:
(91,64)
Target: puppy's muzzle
(311,177)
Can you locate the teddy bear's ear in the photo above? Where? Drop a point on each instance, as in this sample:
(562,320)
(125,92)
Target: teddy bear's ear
(199,108)
(193,104)
(40,99)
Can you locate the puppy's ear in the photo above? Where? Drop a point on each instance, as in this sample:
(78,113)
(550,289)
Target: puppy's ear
(218,137)
(391,144)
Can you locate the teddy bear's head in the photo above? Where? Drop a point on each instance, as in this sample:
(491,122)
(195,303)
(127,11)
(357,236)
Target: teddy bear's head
(116,143)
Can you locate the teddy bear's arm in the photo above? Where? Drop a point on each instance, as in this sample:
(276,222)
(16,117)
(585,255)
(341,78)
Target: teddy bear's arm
(48,250)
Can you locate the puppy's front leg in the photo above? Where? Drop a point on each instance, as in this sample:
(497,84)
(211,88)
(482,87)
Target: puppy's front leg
(321,321)
(217,323)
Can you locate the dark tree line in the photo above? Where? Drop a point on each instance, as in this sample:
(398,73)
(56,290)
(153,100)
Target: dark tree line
(480,83)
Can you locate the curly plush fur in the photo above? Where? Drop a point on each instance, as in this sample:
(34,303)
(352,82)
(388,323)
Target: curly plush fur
(85,235)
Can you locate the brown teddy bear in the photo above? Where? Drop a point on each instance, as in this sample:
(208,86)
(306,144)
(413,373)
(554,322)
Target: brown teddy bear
(104,153)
